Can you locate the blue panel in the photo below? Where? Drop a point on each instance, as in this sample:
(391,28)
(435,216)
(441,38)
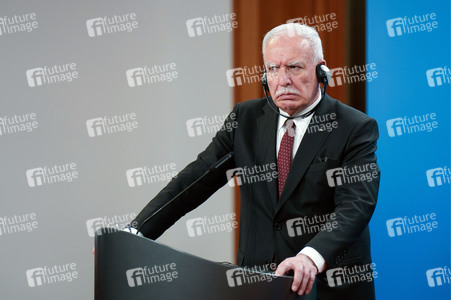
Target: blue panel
(410,99)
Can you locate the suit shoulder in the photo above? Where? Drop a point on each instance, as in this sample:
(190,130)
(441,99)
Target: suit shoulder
(251,104)
(349,113)
(249,108)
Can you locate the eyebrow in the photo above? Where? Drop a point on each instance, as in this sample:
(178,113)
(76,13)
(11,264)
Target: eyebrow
(298,62)
(270,64)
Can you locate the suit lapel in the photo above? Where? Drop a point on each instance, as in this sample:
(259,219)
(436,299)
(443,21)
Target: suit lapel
(310,145)
(266,141)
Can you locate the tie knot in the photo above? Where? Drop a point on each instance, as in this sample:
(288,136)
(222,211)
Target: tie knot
(290,127)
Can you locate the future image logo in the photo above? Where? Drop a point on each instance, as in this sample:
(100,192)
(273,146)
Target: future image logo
(151,274)
(151,74)
(110,25)
(241,276)
(438,276)
(18,223)
(147,175)
(49,175)
(320,123)
(18,23)
(111,124)
(50,275)
(356,73)
(312,224)
(410,25)
(50,75)
(109,224)
(211,225)
(18,123)
(326,22)
(347,275)
(249,175)
(411,225)
(246,75)
(438,76)
(438,176)
(210,25)
(352,174)
(411,124)
(211,124)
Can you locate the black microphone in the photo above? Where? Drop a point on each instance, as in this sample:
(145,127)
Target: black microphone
(213,167)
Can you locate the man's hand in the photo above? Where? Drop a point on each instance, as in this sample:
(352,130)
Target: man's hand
(304,272)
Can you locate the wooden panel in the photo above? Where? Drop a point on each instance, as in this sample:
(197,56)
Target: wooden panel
(255,18)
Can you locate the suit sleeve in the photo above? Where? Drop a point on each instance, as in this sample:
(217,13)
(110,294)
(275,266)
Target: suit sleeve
(354,202)
(220,145)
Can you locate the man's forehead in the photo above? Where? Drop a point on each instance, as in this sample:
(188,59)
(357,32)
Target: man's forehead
(285,57)
(295,41)
(282,47)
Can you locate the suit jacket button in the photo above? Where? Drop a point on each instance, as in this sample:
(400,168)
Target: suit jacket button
(278,226)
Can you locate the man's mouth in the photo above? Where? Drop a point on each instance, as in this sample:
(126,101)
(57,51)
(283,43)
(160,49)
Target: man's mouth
(287,92)
(287,96)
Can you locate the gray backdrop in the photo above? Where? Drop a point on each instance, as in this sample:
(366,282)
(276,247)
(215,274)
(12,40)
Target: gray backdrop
(52,131)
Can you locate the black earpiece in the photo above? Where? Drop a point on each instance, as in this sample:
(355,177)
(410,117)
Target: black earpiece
(265,82)
(323,74)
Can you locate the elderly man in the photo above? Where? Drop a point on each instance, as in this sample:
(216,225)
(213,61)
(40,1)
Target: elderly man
(313,220)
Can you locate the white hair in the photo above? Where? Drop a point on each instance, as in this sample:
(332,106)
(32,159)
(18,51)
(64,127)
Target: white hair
(296,29)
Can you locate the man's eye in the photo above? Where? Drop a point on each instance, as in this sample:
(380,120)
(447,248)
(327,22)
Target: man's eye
(273,68)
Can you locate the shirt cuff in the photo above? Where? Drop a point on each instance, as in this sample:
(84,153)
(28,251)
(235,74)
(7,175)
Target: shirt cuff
(316,257)
(132,230)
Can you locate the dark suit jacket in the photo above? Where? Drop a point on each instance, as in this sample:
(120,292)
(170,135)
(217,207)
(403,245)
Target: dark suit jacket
(265,220)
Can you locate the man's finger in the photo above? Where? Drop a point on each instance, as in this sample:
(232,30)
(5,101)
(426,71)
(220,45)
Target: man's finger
(310,284)
(297,279)
(282,269)
(304,283)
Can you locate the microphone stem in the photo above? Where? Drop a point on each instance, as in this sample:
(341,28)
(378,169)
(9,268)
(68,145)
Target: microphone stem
(213,167)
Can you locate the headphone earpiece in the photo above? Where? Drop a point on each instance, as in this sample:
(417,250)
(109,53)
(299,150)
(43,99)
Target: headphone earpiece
(323,74)
(265,81)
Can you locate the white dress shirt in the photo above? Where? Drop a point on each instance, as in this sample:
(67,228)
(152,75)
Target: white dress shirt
(301,127)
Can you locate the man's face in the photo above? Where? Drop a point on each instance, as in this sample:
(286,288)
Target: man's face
(291,73)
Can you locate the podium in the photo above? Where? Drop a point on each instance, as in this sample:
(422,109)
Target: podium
(131,267)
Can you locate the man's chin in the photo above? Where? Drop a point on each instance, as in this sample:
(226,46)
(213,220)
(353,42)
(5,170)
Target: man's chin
(288,106)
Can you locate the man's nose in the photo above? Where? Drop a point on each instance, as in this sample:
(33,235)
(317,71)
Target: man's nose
(284,77)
